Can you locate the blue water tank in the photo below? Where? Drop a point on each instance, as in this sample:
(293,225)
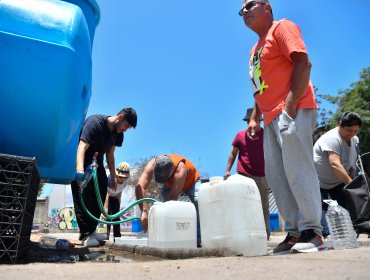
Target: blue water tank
(91,11)
(45,82)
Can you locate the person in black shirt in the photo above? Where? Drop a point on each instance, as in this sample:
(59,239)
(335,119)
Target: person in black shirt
(100,134)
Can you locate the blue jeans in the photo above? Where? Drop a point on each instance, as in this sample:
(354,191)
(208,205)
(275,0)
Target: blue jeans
(192,193)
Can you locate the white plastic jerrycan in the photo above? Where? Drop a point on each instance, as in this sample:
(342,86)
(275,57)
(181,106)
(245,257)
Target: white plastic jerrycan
(231,215)
(172,224)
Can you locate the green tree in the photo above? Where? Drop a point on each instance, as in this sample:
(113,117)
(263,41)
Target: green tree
(323,113)
(154,189)
(355,99)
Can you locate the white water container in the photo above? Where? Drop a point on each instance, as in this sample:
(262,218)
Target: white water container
(172,224)
(231,216)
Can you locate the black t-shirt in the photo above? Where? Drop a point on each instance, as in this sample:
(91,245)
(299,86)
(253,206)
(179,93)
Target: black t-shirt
(95,132)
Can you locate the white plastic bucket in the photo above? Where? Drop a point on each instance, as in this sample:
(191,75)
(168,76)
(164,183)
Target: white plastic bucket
(231,216)
(172,224)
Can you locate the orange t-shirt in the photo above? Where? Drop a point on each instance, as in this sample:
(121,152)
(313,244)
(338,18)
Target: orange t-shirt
(271,69)
(192,176)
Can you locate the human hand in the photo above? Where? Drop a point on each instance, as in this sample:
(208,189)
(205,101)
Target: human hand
(253,128)
(227,175)
(291,111)
(79,178)
(102,217)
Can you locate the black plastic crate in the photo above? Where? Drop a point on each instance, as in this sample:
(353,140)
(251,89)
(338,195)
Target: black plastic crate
(19,183)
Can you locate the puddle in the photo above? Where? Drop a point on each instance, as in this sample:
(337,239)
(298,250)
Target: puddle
(55,259)
(82,254)
(108,258)
(117,258)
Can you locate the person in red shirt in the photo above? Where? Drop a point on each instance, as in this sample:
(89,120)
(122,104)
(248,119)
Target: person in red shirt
(251,164)
(279,69)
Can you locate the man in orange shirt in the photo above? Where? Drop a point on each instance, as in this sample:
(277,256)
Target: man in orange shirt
(177,174)
(280,76)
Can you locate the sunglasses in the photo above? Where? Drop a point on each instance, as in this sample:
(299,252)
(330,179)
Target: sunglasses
(248,6)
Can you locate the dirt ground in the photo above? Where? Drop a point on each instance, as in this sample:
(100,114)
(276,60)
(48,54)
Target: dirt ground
(331,264)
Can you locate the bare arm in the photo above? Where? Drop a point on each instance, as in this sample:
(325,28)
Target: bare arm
(179,178)
(338,168)
(300,79)
(231,160)
(142,189)
(111,167)
(82,147)
(144,182)
(106,202)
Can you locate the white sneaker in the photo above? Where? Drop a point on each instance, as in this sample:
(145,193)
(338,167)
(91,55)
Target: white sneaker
(91,242)
(98,236)
(309,242)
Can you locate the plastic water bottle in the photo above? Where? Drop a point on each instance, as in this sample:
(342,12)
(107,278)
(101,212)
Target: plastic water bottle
(340,227)
(48,242)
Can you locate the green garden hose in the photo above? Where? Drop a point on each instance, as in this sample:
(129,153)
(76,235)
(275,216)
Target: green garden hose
(101,205)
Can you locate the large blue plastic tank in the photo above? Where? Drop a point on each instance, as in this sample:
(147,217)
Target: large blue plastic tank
(45,82)
(92,14)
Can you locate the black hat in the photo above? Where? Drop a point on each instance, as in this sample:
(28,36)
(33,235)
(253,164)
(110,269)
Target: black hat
(248,114)
(162,168)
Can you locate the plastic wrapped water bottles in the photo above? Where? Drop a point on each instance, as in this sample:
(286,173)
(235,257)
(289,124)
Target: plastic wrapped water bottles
(48,242)
(340,227)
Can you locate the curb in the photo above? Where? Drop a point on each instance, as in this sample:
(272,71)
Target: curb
(172,253)
(185,253)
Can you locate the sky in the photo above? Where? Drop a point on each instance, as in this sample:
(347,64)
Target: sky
(183,66)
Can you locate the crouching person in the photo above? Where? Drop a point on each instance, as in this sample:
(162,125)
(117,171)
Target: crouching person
(177,174)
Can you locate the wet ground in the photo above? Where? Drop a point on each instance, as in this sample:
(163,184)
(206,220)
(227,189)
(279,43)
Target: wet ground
(79,253)
(103,254)
(330,264)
